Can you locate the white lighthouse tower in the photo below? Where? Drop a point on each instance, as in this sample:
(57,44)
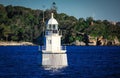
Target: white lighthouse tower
(53,54)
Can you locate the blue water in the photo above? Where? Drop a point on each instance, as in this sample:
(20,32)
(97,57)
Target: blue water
(84,62)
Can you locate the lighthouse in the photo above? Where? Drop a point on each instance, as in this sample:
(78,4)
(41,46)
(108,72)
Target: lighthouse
(53,54)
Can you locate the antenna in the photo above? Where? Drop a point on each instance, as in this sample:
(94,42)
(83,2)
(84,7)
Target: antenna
(43,13)
(93,15)
(43,24)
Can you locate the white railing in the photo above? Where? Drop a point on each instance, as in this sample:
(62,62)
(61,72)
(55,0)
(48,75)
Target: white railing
(53,32)
(43,47)
(62,47)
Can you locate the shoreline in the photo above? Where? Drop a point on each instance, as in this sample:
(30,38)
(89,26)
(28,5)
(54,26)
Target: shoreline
(13,43)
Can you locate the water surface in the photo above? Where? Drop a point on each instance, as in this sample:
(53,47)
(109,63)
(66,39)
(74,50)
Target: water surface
(84,62)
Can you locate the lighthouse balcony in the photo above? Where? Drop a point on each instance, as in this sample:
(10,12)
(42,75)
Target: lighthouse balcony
(53,32)
(50,50)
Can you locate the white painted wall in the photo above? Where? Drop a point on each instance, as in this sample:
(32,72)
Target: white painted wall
(53,43)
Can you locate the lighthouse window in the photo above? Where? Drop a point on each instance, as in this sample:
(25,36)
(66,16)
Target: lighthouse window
(50,41)
(54,27)
(49,26)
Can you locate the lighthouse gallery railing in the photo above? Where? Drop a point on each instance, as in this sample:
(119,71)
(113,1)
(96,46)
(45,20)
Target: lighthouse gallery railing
(53,32)
(62,47)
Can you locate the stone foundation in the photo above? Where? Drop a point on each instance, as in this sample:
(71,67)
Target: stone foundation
(54,60)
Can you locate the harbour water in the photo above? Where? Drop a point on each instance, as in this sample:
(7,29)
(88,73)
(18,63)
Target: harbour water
(83,62)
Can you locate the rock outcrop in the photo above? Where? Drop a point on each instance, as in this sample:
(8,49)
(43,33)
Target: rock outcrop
(103,42)
(116,41)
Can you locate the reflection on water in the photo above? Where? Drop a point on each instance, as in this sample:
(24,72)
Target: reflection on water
(54,68)
(55,72)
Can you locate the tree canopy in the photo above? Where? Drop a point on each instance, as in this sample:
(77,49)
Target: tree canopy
(24,24)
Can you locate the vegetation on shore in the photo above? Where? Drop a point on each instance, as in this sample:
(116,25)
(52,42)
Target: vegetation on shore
(24,24)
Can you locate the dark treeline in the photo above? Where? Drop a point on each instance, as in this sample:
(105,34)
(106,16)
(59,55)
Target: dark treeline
(24,24)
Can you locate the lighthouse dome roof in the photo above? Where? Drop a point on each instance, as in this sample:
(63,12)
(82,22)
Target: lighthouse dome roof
(52,20)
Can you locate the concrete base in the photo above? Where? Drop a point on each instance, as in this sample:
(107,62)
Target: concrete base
(54,60)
